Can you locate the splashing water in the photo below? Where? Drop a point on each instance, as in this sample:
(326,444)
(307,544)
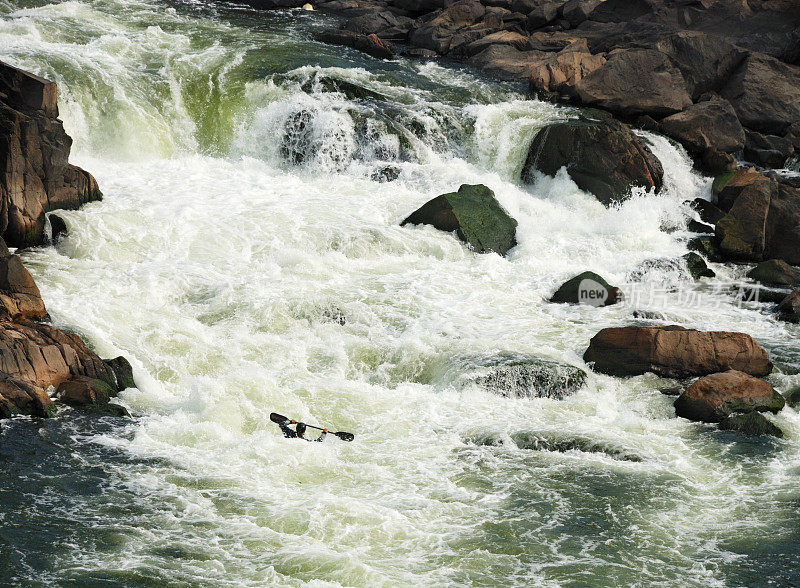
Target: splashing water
(248,258)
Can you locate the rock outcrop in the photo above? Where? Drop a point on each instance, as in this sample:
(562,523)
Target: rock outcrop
(474,214)
(602,157)
(715,397)
(674,352)
(35,175)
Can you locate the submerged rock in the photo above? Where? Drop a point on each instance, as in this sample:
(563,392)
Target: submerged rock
(474,214)
(751,423)
(587,288)
(698,267)
(524,376)
(714,397)
(789,308)
(674,352)
(707,246)
(604,158)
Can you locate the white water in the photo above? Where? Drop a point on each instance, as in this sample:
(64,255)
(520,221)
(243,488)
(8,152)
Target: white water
(214,266)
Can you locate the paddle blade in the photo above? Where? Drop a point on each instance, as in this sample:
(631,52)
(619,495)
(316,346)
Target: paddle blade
(345,436)
(277,418)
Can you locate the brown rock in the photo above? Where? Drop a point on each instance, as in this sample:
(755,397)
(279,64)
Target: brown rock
(674,352)
(85,392)
(633,82)
(19,295)
(18,396)
(705,126)
(506,62)
(35,175)
(789,308)
(715,397)
(562,71)
(369,44)
(437,32)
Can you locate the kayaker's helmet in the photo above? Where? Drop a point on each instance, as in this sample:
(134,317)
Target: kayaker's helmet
(301,429)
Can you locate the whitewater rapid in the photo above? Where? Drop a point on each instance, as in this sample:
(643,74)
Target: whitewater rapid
(223,271)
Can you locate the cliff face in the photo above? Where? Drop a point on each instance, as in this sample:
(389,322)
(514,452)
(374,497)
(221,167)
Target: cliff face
(35,174)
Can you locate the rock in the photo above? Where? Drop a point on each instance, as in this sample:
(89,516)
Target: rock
(767,150)
(507,62)
(751,423)
(561,71)
(35,176)
(123,372)
(383,23)
(85,392)
(474,214)
(587,288)
(18,396)
(697,266)
(58,228)
(577,11)
(369,44)
(523,376)
(714,397)
(694,226)
(705,126)
(789,308)
(709,213)
(765,94)
(542,15)
(775,273)
(19,296)
(674,352)
(416,7)
(707,247)
(437,33)
(715,162)
(793,397)
(511,38)
(729,186)
(602,157)
(46,356)
(634,82)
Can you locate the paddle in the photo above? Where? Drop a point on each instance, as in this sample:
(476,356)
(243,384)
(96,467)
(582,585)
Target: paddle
(279,418)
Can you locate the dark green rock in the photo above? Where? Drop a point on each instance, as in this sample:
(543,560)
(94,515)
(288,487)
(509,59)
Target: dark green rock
(474,214)
(123,372)
(775,272)
(789,308)
(604,158)
(709,213)
(58,228)
(793,397)
(523,376)
(570,292)
(751,423)
(697,266)
(706,246)
(694,226)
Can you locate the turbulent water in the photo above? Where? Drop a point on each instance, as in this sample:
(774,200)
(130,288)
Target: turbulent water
(247,258)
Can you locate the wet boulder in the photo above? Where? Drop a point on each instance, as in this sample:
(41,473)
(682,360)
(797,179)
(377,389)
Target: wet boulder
(754,424)
(709,213)
(674,352)
(474,214)
(767,150)
(775,273)
(634,82)
(19,295)
(587,288)
(716,396)
(18,396)
(697,266)
(559,72)
(369,44)
(707,125)
(706,246)
(437,33)
(789,308)
(85,392)
(604,158)
(123,372)
(524,376)
(727,187)
(35,174)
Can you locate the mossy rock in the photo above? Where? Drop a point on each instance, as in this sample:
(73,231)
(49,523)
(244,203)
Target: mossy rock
(751,423)
(123,372)
(793,397)
(697,266)
(775,272)
(706,246)
(474,214)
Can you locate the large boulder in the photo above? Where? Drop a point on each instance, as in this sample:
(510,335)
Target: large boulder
(474,214)
(775,272)
(768,150)
(18,396)
(383,23)
(523,376)
(715,397)
(587,288)
(35,176)
(707,125)
(437,32)
(765,94)
(123,372)
(762,223)
(674,352)
(789,308)
(85,392)
(507,62)
(19,295)
(634,82)
(602,157)
(369,44)
(750,423)
(559,72)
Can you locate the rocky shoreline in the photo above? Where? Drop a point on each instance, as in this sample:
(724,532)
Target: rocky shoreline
(37,360)
(722,77)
